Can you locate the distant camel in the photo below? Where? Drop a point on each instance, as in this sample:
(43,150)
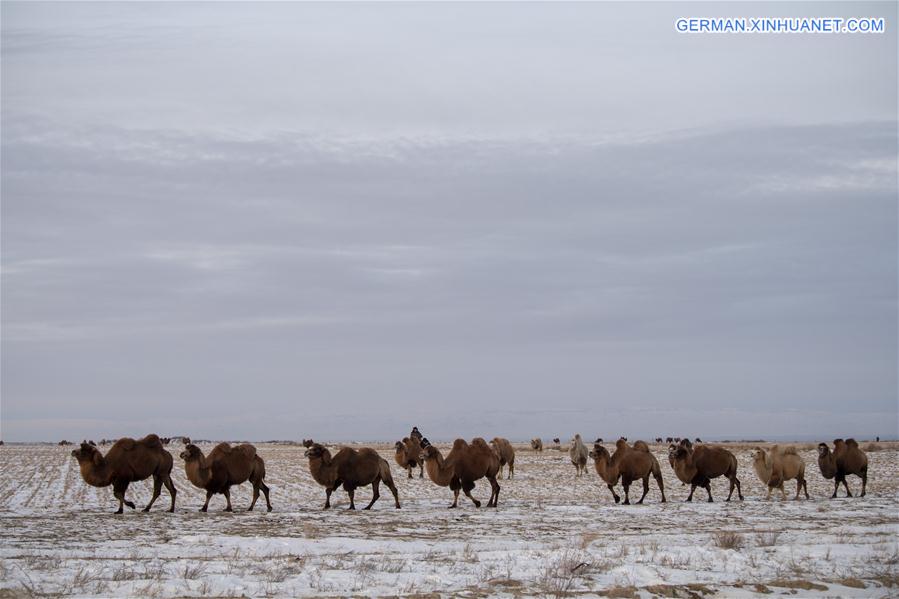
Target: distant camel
(578,454)
(352,469)
(407,454)
(778,465)
(845,459)
(465,464)
(127,461)
(537,444)
(628,464)
(699,465)
(506,454)
(224,467)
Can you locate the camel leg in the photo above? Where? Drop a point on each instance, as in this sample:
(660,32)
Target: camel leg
(328,492)
(206,505)
(846,486)
(255,497)
(494,493)
(626,485)
(170,487)
(768,496)
(352,494)
(421,470)
(375,493)
(732,486)
(783,493)
(614,494)
(409,471)
(864,477)
(455,498)
(157,487)
(466,488)
(692,489)
(836,485)
(227,494)
(660,483)
(708,489)
(740,487)
(645,488)
(511,471)
(118,491)
(264,488)
(396,495)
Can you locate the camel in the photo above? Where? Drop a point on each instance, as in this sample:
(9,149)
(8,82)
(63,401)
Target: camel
(628,464)
(846,458)
(699,465)
(408,455)
(778,465)
(463,465)
(537,444)
(128,461)
(351,468)
(578,454)
(506,454)
(224,467)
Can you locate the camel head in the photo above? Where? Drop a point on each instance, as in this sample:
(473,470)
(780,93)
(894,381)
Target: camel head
(599,451)
(400,446)
(86,453)
(316,450)
(307,443)
(577,437)
(823,450)
(556,440)
(191,452)
(759,455)
(428,451)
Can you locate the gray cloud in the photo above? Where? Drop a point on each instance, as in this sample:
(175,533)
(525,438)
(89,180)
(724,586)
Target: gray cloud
(338,264)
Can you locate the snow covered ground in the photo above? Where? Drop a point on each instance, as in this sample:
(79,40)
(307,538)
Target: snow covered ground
(553,534)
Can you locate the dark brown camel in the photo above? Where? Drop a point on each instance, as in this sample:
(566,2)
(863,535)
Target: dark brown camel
(845,459)
(126,462)
(352,469)
(699,465)
(464,465)
(224,467)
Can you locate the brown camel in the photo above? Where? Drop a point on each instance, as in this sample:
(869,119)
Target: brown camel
(537,444)
(845,459)
(128,461)
(408,456)
(464,464)
(351,468)
(506,454)
(699,465)
(628,464)
(223,467)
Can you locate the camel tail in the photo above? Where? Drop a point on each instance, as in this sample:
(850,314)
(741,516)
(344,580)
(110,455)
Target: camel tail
(260,468)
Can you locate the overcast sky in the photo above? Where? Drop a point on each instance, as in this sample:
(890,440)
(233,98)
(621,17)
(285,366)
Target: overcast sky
(276,221)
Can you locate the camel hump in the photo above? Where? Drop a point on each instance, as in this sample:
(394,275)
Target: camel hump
(152,441)
(481,443)
(460,444)
(852,443)
(641,446)
(788,450)
(248,450)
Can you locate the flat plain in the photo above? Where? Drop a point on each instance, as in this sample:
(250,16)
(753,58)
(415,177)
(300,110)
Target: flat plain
(553,535)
